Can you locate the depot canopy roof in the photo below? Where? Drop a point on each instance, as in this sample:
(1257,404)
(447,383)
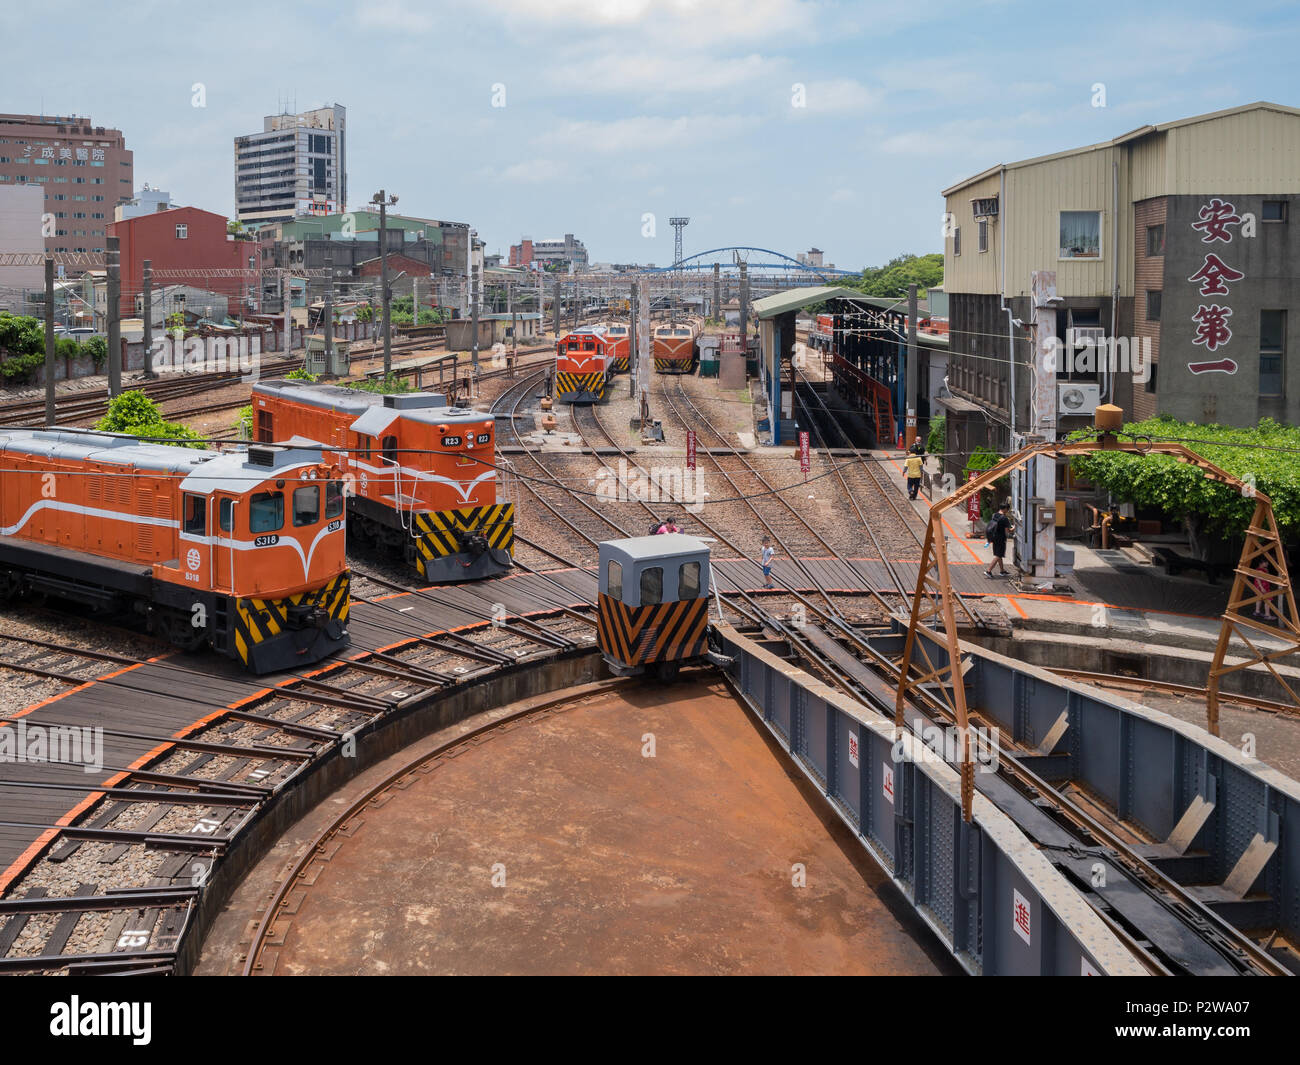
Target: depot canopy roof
(794,299)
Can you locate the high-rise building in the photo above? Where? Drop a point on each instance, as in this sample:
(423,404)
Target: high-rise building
(296,166)
(567,252)
(84,170)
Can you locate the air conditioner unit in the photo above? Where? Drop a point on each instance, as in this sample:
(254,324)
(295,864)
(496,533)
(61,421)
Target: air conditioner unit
(985,208)
(1079,397)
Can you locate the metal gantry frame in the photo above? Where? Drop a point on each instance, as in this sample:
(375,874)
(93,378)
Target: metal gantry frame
(934,594)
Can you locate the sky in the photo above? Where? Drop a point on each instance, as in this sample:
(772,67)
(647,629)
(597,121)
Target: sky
(781,124)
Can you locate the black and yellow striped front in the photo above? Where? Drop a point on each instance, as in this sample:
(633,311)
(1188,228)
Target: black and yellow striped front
(640,635)
(579,387)
(682,365)
(622,364)
(275,634)
(464,544)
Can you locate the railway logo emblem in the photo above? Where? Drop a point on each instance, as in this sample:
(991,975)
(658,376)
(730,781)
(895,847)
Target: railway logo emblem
(192,558)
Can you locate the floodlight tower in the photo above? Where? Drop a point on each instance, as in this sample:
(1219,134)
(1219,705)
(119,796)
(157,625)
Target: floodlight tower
(678,223)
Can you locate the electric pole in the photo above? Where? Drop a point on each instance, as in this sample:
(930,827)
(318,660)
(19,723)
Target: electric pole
(113,260)
(329,309)
(383,201)
(473,308)
(49,341)
(147,307)
(909,423)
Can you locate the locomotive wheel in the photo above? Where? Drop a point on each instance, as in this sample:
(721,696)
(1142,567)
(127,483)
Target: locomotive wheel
(176,629)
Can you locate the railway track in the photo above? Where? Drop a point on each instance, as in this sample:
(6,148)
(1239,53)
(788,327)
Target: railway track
(115,890)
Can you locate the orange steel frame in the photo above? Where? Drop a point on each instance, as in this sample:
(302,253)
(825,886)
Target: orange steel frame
(934,595)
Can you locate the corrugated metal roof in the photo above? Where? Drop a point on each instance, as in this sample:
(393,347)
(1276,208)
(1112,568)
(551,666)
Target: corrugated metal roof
(795,298)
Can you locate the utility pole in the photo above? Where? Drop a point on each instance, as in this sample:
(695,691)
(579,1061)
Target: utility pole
(383,201)
(473,307)
(113,260)
(329,309)
(1041,511)
(555,311)
(909,424)
(49,341)
(288,315)
(632,335)
(744,309)
(575,304)
(717,292)
(514,326)
(643,353)
(146,300)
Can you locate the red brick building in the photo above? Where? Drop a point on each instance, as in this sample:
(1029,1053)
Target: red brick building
(190,240)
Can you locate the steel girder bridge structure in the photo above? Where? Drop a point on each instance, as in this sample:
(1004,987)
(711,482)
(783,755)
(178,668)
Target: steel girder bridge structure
(933,624)
(704,260)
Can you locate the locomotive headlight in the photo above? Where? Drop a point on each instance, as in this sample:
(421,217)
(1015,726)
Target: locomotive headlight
(279,483)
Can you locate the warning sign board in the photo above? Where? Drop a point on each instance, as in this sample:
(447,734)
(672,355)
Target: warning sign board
(1022,917)
(853,748)
(887,782)
(690,449)
(805,460)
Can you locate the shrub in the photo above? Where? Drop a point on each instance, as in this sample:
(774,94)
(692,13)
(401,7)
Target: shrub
(135,414)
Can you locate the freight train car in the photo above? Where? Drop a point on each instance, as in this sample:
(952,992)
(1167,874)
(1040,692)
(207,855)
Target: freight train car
(422,474)
(241,551)
(652,607)
(673,348)
(619,344)
(583,366)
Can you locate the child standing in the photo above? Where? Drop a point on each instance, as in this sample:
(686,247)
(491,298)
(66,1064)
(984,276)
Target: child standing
(767,562)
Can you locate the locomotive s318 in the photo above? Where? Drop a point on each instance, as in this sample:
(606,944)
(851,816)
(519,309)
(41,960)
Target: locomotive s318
(422,474)
(242,551)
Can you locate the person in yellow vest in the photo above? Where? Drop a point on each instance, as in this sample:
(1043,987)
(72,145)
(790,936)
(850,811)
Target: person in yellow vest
(913,464)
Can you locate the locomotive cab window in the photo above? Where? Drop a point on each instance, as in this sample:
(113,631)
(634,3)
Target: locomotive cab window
(306,504)
(389,447)
(266,512)
(588,345)
(226,514)
(363,446)
(652,585)
(614,580)
(688,581)
(196,515)
(333,499)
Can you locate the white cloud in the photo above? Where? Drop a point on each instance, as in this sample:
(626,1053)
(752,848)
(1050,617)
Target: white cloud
(840,95)
(394,15)
(658,71)
(749,19)
(630,137)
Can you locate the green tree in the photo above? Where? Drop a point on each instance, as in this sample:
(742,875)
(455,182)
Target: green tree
(22,346)
(384,385)
(1265,456)
(97,349)
(135,414)
(891,280)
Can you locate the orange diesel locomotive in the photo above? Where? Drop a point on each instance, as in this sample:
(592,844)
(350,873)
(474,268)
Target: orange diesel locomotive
(423,474)
(242,551)
(583,366)
(673,347)
(619,344)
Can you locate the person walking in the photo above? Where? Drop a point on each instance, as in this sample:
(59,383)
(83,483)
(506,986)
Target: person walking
(669,526)
(767,556)
(996,533)
(913,464)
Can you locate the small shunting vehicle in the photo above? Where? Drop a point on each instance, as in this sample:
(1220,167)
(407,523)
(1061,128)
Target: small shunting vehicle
(652,607)
(822,335)
(674,347)
(583,366)
(422,475)
(241,551)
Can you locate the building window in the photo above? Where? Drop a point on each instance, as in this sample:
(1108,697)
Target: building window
(956,240)
(182,231)
(1155,241)
(1080,235)
(983,239)
(1274,211)
(1272,351)
(1153,305)
(1151,377)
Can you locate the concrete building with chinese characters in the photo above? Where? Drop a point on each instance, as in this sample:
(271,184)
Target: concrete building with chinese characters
(297,165)
(84,170)
(1181,237)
